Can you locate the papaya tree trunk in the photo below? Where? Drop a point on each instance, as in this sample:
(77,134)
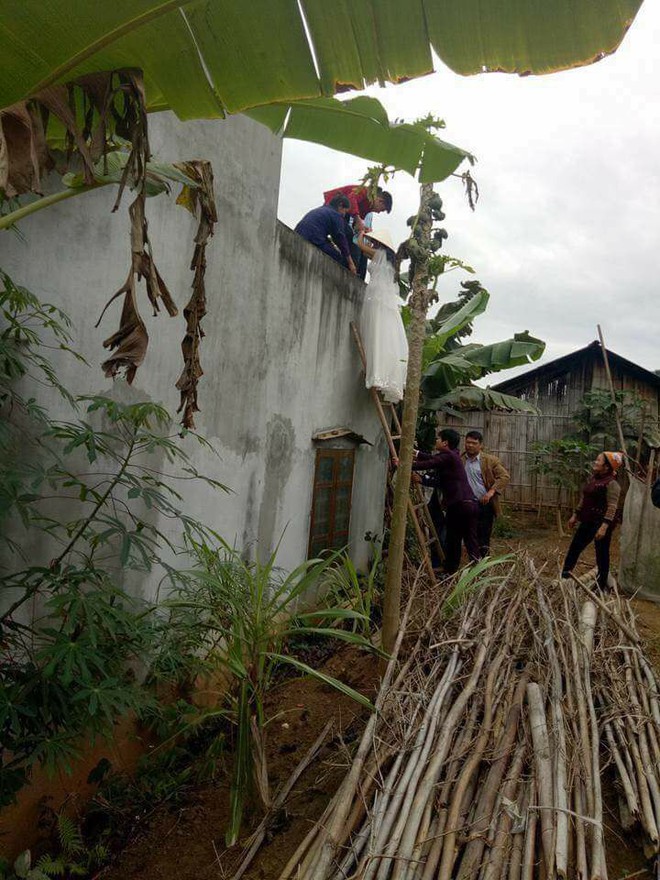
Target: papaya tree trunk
(419,303)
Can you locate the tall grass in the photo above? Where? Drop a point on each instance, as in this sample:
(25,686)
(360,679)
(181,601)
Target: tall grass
(233,617)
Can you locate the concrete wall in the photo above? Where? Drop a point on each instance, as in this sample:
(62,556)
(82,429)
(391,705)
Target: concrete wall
(278,355)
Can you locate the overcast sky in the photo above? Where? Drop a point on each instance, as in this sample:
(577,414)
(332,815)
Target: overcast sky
(567,230)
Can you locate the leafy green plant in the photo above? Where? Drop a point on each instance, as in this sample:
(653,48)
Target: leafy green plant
(86,499)
(503,527)
(595,419)
(231,621)
(473,578)
(351,589)
(451,366)
(74,859)
(565,462)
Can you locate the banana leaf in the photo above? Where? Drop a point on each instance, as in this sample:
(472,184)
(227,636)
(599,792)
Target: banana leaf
(472,398)
(360,126)
(204,58)
(111,168)
(472,361)
(454,323)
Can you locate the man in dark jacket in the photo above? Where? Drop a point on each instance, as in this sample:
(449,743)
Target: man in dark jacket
(325,228)
(446,470)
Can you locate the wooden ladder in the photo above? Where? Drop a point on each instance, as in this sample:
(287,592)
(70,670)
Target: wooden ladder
(417,506)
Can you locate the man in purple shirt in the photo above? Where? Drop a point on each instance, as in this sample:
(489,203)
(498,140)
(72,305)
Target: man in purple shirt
(447,473)
(325,228)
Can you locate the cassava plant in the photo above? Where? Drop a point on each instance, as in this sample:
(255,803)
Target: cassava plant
(566,464)
(83,503)
(231,621)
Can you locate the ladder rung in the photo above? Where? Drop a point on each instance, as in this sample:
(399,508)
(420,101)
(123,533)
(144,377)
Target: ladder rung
(395,436)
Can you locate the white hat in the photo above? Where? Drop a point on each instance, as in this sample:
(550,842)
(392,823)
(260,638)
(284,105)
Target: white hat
(382,236)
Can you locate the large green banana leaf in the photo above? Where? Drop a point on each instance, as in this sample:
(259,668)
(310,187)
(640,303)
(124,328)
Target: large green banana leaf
(457,321)
(472,398)
(470,362)
(361,126)
(203,58)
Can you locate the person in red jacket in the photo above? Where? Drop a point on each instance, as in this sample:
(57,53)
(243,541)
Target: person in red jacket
(360,205)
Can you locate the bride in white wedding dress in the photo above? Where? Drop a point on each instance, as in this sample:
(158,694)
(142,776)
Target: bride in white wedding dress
(381,325)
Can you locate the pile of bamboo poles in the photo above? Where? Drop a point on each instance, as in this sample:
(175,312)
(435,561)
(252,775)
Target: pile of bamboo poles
(498,723)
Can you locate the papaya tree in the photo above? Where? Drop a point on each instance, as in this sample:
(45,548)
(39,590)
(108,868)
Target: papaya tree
(441,368)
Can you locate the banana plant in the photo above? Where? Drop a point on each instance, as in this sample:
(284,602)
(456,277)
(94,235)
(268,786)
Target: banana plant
(206,58)
(467,363)
(451,366)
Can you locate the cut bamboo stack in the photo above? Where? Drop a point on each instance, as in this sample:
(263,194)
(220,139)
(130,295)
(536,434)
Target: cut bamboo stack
(499,722)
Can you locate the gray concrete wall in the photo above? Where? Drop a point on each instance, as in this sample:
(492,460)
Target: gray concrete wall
(278,356)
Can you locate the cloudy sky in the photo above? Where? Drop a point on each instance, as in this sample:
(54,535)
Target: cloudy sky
(567,231)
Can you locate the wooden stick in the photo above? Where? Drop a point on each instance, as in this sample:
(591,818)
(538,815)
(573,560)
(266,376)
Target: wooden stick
(530,838)
(543,766)
(625,629)
(488,794)
(642,517)
(333,831)
(473,761)
(280,797)
(614,400)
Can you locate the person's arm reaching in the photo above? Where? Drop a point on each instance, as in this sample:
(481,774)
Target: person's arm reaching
(365,248)
(339,237)
(426,461)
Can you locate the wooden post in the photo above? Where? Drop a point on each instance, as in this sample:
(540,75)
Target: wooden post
(622,442)
(642,514)
(640,439)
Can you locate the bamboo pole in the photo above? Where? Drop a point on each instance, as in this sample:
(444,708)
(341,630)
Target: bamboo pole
(623,626)
(610,382)
(347,790)
(465,778)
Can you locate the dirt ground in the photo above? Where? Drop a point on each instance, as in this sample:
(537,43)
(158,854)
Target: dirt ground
(187,842)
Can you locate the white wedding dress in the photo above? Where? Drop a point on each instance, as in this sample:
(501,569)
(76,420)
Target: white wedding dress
(383,333)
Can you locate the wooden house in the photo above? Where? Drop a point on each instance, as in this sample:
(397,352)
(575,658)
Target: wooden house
(557,389)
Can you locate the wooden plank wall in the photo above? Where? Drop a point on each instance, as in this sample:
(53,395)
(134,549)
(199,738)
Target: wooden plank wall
(558,393)
(624,381)
(510,436)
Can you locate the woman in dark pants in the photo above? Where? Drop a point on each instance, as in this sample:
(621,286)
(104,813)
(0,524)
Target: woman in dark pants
(596,516)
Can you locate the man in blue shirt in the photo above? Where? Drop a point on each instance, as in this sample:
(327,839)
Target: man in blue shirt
(325,228)
(488,478)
